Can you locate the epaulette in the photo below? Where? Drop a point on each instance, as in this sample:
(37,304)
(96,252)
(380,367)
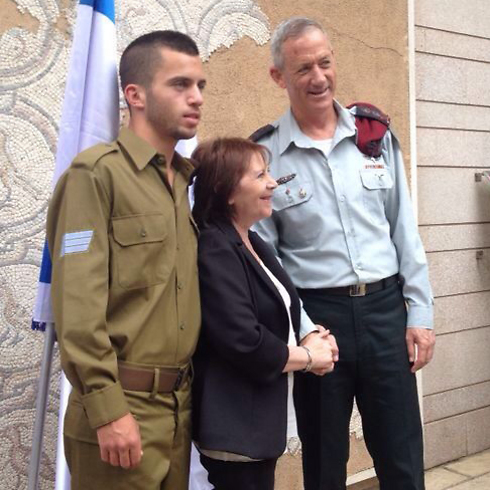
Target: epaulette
(371,124)
(261,132)
(90,156)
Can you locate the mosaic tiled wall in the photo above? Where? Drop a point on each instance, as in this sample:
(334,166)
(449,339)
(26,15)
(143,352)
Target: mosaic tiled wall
(35,39)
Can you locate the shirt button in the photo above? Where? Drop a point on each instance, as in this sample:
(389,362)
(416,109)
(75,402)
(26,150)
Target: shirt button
(342,198)
(143,232)
(161,160)
(182,326)
(179,285)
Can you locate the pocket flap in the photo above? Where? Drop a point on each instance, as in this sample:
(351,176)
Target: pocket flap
(376,179)
(131,230)
(290,194)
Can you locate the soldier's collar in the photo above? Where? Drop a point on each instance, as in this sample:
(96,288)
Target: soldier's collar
(183,165)
(142,153)
(139,150)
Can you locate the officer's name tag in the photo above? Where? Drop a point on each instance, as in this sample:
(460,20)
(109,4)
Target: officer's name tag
(76,242)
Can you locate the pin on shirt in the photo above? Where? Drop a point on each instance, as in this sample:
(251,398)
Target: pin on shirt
(284,180)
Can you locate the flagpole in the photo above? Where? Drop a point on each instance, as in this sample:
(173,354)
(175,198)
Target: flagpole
(41,404)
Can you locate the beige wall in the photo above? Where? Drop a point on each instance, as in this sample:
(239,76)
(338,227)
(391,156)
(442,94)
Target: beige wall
(371,51)
(453,139)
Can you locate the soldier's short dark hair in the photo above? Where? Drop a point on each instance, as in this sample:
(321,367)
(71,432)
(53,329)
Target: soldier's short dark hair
(142,57)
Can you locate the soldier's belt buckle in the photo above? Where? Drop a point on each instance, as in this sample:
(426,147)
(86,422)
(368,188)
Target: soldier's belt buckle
(357,290)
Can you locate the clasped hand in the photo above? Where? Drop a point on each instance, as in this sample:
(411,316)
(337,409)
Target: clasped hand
(324,351)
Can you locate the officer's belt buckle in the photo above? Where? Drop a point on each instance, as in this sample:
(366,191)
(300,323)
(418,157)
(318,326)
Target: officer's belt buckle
(357,290)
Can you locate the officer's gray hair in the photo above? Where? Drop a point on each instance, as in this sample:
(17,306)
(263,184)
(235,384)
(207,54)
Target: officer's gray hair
(291,28)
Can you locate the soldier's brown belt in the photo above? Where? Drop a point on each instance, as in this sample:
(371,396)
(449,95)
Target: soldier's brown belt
(153,380)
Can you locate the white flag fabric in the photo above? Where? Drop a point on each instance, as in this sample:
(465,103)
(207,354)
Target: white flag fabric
(90,115)
(198,478)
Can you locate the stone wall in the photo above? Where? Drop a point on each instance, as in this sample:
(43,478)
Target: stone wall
(453,135)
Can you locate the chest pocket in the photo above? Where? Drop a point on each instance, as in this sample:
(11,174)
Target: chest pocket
(375,185)
(144,250)
(295,207)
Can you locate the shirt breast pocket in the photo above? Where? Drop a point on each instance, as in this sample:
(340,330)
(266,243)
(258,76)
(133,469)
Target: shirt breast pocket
(294,205)
(144,250)
(375,186)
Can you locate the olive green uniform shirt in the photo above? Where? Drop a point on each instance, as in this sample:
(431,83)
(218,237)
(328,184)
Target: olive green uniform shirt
(124,283)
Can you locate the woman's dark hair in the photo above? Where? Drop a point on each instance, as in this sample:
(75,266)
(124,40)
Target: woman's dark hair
(221,163)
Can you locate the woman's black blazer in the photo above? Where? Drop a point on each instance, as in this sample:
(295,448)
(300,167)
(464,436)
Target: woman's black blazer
(239,390)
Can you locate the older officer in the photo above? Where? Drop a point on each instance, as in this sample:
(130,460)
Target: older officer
(346,234)
(125,288)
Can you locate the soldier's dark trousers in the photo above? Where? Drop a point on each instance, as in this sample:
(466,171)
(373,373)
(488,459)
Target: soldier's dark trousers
(374,369)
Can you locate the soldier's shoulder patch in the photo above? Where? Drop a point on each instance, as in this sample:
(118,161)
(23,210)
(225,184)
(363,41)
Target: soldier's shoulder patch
(261,132)
(76,242)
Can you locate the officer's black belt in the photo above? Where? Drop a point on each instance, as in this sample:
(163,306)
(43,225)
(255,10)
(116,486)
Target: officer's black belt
(362,289)
(152,380)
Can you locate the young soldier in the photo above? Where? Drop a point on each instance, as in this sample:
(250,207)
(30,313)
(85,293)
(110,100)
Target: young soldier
(125,287)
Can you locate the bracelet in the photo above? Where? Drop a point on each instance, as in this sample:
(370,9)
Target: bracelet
(307,368)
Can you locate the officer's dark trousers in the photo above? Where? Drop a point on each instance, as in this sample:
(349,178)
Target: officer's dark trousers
(374,369)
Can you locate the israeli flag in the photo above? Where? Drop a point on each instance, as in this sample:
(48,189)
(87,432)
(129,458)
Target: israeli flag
(90,115)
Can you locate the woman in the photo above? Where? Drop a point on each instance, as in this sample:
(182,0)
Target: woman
(249,309)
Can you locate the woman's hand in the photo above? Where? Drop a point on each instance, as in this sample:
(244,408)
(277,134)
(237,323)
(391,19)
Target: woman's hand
(324,351)
(318,352)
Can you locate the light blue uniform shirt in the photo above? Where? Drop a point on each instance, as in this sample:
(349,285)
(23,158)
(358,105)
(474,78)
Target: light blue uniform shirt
(345,218)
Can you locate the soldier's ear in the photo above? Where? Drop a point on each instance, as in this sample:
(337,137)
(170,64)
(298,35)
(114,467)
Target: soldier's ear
(135,96)
(276,75)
